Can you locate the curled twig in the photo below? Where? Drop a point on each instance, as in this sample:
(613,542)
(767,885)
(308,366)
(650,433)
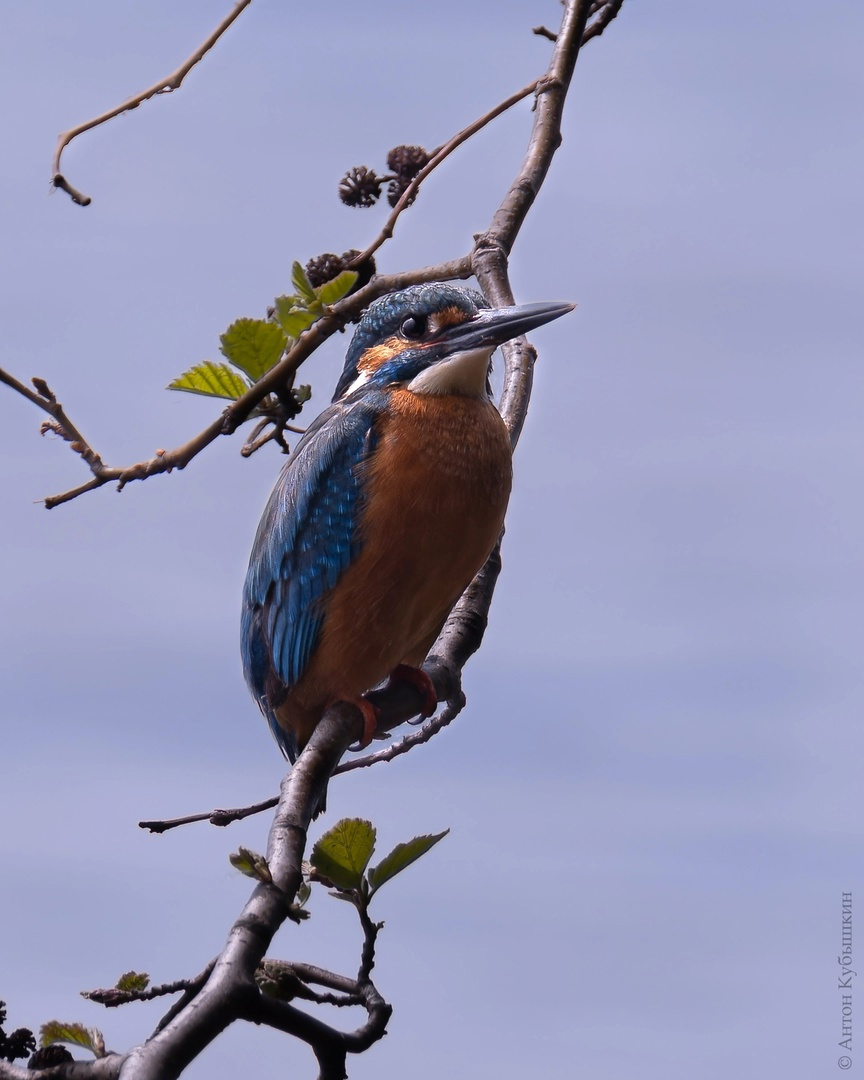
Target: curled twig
(163,86)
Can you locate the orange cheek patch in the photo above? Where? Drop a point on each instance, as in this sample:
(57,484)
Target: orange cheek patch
(373,358)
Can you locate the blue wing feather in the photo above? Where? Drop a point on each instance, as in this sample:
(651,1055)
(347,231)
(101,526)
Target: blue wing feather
(305,540)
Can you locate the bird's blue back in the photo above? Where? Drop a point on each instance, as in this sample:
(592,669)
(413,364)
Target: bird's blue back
(306,539)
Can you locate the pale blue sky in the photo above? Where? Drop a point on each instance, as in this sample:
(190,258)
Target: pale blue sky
(654,795)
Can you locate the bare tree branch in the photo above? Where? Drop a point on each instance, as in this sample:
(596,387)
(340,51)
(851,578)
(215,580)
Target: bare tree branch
(104,1068)
(238,411)
(163,86)
(231,992)
(228,989)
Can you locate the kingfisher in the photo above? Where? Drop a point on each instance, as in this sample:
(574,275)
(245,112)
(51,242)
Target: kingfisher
(388,506)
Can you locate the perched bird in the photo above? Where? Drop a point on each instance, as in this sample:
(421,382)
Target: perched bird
(386,509)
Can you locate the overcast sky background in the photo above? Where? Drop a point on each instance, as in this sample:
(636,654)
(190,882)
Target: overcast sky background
(655,794)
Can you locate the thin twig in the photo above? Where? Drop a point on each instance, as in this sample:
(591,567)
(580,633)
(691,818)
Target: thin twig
(370,937)
(608,12)
(238,411)
(60,424)
(163,86)
(112,997)
(341,1001)
(395,704)
(288,980)
(215,817)
(459,639)
(438,156)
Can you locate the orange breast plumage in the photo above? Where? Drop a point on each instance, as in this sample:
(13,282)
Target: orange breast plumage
(434,497)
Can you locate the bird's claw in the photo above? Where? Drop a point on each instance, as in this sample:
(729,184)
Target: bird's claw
(371,713)
(417,678)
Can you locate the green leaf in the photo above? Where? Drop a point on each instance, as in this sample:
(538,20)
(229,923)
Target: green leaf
(253,345)
(400,857)
(343,852)
(214,380)
(294,321)
(90,1038)
(251,864)
(282,307)
(133,980)
(332,291)
(302,283)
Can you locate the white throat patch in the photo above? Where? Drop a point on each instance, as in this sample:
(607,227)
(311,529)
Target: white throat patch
(463,373)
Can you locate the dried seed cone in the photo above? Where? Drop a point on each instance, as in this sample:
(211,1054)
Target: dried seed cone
(407,161)
(359,187)
(46,1056)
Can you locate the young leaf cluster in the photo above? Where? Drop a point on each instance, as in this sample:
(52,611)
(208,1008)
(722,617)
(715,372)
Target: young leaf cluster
(340,860)
(89,1038)
(251,864)
(133,981)
(253,346)
(255,866)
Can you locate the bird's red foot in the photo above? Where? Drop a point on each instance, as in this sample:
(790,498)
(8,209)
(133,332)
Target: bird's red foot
(417,678)
(371,714)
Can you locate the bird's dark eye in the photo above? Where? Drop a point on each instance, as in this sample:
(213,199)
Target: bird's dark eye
(414,327)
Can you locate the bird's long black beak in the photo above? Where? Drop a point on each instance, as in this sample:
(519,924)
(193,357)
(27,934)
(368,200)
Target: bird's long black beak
(488,329)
